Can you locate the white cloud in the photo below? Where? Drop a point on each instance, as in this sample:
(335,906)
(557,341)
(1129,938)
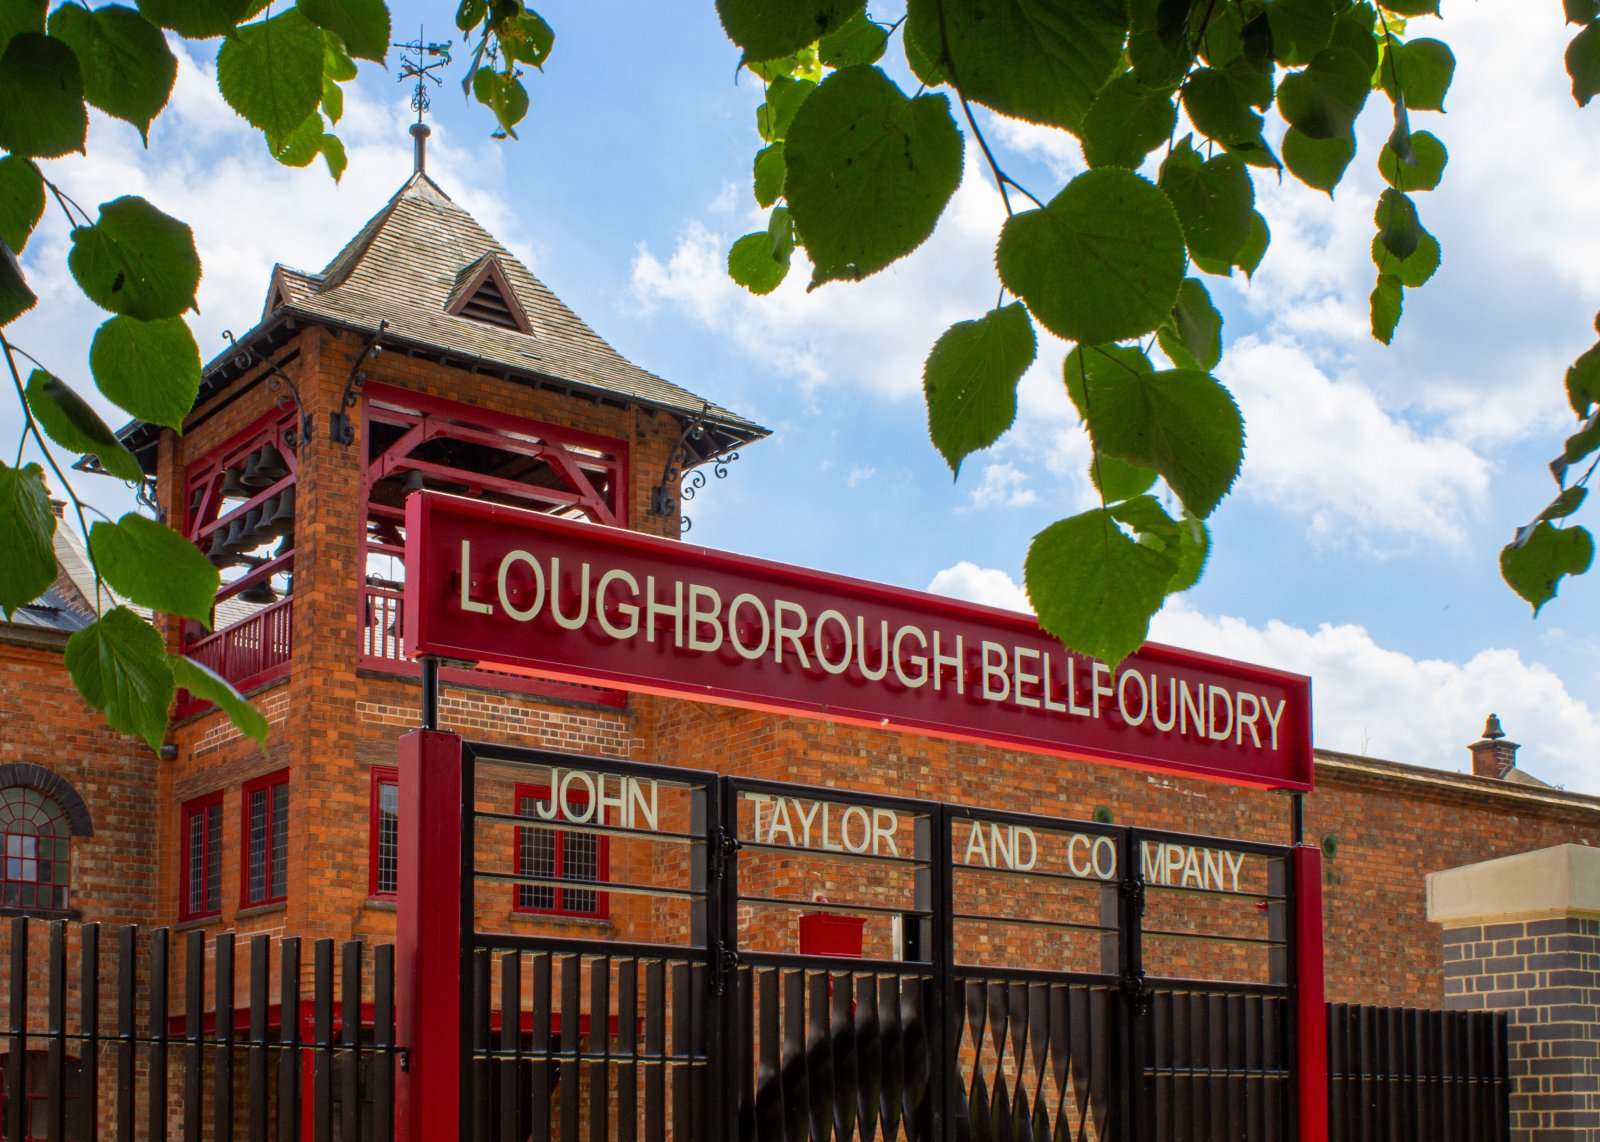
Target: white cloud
(859,474)
(1003,486)
(1370,700)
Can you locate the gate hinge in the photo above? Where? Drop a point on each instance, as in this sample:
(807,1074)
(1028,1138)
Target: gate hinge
(1136,993)
(1133,889)
(723,846)
(724,961)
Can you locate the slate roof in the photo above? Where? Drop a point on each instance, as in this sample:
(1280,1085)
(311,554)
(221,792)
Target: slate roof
(405,266)
(68,603)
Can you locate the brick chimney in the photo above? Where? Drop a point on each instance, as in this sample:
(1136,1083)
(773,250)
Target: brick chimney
(1493,756)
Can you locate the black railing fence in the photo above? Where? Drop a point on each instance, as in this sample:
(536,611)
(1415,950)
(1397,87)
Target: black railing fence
(132,1033)
(1424,1076)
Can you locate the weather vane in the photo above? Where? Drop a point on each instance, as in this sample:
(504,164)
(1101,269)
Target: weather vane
(415,66)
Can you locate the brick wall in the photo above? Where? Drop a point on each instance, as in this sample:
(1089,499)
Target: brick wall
(1547,974)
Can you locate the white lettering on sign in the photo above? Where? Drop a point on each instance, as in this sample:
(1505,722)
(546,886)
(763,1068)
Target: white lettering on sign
(1185,866)
(579,796)
(695,618)
(805,824)
(1013,847)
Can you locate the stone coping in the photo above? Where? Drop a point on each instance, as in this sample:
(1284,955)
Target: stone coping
(1553,882)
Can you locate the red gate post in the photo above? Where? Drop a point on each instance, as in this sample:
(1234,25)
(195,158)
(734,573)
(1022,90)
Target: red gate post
(1311,1008)
(429,935)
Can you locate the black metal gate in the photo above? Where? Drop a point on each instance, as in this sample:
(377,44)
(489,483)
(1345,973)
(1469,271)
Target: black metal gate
(662,953)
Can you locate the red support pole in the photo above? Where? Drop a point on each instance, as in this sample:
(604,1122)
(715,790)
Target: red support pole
(428,944)
(1311,1006)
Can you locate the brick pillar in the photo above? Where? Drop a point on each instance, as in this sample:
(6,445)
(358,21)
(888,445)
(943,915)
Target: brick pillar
(1522,935)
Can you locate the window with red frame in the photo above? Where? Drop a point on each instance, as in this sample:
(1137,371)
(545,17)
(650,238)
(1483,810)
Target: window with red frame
(35,851)
(266,840)
(200,886)
(36,1096)
(558,854)
(384,882)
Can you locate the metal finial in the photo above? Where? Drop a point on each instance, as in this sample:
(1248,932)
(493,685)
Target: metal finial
(417,66)
(1492,730)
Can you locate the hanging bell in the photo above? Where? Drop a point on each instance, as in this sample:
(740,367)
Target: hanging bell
(233,485)
(288,587)
(261,592)
(252,477)
(270,466)
(241,536)
(283,517)
(219,553)
(194,502)
(414,482)
(286,544)
(264,528)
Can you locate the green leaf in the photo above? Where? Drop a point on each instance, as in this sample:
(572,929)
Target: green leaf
(924,60)
(332,100)
(503,94)
(29,525)
(780,231)
(69,420)
(769,174)
(752,264)
(1324,99)
(1126,121)
(1117,479)
(271,72)
(1411,7)
(154,566)
(207,685)
(1193,338)
(1567,501)
(1583,64)
(1085,367)
(1426,169)
(1218,110)
(1413,271)
(1583,382)
(1213,199)
(784,97)
(1425,68)
(1255,246)
(528,39)
(1355,30)
(1319,163)
(1194,548)
(1181,423)
(136,261)
(1093,587)
(1160,48)
(119,664)
(1581,11)
(150,368)
(1398,227)
(363,25)
(970,381)
(333,154)
(1101,263)
(196,19)
(19,16)
(15,296)
(857,41)
(336,62)
(299,147)
(470,13)
(1386,302)
(869,172)
(766,29)
(21,201)
(1535,567)
(1043,62)
(1584,441)
(41,98)
(803,64)
(128,70)
(1300,29)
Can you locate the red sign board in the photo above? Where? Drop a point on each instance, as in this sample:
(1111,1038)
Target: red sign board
(528,592)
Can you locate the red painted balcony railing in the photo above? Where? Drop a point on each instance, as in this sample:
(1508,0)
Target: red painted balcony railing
(382,649)
(248,654)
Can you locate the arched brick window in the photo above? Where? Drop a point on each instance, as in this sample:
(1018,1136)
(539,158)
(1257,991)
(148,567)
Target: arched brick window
(40,813)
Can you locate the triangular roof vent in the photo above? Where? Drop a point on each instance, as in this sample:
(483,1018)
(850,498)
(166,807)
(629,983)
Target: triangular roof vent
(482,293)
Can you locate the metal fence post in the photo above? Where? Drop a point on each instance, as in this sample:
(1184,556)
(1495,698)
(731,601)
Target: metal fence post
(428,927)
(1310,1002)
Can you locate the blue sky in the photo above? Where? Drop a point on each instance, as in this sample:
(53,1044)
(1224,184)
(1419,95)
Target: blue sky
(1379,485)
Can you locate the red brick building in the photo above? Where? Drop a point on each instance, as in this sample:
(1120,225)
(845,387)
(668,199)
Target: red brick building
(425,355)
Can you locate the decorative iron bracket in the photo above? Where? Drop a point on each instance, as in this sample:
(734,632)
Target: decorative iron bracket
(340,428)
(724,961)
(1135,992)
(677,469)
(244,357)
(722,849)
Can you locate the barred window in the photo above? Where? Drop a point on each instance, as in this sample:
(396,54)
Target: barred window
(266,830)
(200,883)
(37,851)
(385,844)
(558,855)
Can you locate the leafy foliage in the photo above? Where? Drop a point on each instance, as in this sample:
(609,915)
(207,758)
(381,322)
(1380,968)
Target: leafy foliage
(971,380)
